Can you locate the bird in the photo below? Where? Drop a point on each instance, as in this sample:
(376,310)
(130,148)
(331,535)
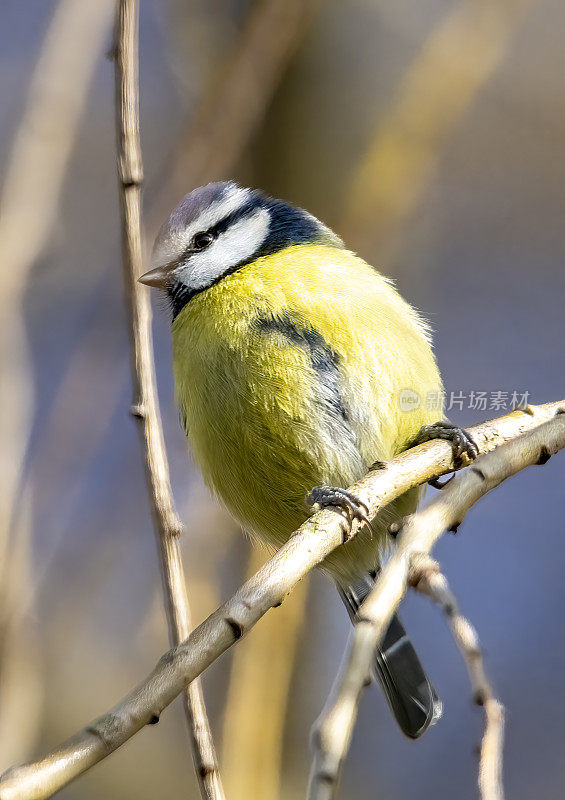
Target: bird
(297,367)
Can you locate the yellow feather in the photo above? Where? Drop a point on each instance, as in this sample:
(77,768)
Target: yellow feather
(265,359)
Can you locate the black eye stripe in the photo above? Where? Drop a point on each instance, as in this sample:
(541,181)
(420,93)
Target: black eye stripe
(222,225)
(288,226)
(241,212)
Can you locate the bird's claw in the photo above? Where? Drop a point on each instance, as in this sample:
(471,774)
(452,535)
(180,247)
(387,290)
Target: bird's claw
(348,503)
(462,442)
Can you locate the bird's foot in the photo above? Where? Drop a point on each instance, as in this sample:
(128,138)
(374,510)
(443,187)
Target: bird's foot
(351,506)
(462,442)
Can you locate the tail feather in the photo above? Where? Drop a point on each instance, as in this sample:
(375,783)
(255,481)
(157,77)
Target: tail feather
(407,688)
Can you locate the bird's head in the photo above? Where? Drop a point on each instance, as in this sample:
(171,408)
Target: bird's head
(219,228)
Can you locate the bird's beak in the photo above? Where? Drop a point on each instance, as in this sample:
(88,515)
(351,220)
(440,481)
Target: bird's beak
(155,277)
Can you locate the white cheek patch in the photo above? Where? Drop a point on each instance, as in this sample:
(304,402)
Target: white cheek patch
(238,243)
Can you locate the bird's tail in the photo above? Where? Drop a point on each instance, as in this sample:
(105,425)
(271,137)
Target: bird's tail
(396,667)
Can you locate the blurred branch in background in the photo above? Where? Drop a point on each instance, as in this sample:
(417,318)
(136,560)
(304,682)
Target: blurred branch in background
(31,194)
(30,205)
(425,577)
(145,408)
(444,79)
(416,535)
(313,541)
(257,701)
(231,110)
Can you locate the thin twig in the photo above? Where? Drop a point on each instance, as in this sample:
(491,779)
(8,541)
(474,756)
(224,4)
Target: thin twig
(416,534)
(311,543)
(425,577)
(145,407)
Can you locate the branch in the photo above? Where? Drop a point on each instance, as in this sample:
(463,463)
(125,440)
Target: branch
(425,577)
(416,535)
(313,541)
(145,407)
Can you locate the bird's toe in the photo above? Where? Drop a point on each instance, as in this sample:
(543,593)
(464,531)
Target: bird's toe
(346,502)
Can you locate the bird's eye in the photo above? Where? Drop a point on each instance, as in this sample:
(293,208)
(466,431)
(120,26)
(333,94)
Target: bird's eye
(202,240)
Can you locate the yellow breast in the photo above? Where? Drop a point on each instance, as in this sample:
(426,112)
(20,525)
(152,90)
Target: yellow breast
(290,373)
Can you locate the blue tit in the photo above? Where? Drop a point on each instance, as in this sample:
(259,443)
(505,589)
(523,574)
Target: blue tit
(297,366)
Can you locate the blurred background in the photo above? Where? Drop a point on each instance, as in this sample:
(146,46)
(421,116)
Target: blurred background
(429,134)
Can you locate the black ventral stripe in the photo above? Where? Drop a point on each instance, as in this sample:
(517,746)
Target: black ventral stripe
(323,359)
